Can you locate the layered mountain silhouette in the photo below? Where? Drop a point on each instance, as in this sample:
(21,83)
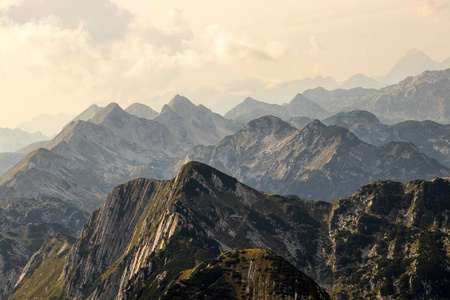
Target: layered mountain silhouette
(204,233)
(13,139)
(413,63)
(423,97)
(195,125)
(251,109)
(141,111)
(83,162)
(433,139)
(316,162)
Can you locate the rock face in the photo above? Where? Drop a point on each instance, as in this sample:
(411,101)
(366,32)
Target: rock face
(141,111)
(423,97)
(299,106)
(433,139)
(388,240)
(148,231)
(316,162)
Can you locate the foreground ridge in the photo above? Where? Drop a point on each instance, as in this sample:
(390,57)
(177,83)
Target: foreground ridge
(388,240)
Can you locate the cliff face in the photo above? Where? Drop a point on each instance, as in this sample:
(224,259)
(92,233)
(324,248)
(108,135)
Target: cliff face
(150,237)
(148,228)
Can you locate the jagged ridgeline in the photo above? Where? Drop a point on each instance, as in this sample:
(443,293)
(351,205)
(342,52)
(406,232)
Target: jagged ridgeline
(166,239)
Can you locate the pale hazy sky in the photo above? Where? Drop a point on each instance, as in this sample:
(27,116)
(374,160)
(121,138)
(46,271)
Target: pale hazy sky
(63,55)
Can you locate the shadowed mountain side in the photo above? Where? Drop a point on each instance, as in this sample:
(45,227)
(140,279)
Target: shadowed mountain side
(316,162)
(430,137)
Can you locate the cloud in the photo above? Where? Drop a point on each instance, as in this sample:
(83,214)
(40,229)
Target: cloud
(427,8)
(316,45)
(102,19)
(226,47)
(170,33)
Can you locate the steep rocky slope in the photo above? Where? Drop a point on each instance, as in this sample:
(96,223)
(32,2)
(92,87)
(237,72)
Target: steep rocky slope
(316,162)
(149,231)
(433,139)
(164,238)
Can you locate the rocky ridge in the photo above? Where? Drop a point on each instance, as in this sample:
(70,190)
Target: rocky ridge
(423,97)
(151,237)
(433,139)
(316,162)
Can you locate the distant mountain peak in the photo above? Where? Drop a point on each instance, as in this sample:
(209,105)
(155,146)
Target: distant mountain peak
(415,53)
(141,110)
(315,125)
(300,97)
(88,113)
(412,63)
(250,100)
(112,110)
(180,101)
(268,125)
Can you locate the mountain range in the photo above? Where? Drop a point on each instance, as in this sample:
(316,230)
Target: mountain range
(203,234)
(315,162)
(13,139)
(87,158)
(433,139)
(424,97)
(300,106)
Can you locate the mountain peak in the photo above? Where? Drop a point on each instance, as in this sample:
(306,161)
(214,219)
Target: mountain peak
(303,106)
(88,113)
(415,53)
(141,110)
(315,125)
(268,125)
(111,110)
(250,100)
(206,172)
(299,98)
(180,102)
